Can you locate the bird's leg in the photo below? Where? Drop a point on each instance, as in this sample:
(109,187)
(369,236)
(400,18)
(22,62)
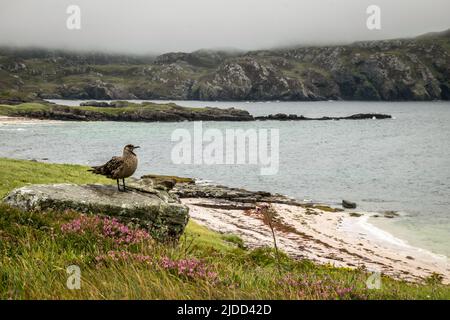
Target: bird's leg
(125,188)
(118,186)
(123,183)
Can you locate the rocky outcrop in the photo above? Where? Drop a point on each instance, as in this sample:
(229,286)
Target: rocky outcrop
(228,198)
(294,117)
(229,194)
(93,90)
(348,204)
(250,79)
(160,212)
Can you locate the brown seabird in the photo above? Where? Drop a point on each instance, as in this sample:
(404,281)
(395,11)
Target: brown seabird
(119,167)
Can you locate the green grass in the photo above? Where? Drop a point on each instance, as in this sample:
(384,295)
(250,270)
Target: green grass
(18,173)
(35,252)
(24,108)
(7,110)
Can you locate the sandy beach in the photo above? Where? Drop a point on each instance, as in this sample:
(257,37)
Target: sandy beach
(334,238)
(23,120)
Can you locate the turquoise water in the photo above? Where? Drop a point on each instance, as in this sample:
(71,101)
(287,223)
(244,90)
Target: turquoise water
(401,164)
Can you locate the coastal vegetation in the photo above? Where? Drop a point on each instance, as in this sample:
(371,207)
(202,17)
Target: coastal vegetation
(118,261)
(122,111)
(151,112)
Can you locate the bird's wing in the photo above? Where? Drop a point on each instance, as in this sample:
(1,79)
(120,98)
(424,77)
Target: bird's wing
(113,164)
(108,168)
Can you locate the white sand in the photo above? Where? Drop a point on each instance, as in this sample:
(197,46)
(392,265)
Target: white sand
(22,120)
(327,237)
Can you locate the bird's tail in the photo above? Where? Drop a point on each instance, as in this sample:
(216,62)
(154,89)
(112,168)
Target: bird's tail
(94,170)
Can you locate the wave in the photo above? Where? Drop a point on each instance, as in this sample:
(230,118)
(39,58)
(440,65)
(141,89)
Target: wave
(13,129)
(363,224)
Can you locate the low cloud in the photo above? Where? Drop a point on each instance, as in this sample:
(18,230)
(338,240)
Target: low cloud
(156,26)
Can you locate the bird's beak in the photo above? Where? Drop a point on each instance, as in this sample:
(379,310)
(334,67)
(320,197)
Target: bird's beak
(136,147)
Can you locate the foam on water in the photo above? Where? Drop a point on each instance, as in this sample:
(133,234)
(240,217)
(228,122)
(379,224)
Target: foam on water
(12,129)
(359,224)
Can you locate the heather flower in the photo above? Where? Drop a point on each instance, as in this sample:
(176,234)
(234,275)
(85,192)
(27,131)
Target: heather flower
(105,227)
(324,288)
(190,268)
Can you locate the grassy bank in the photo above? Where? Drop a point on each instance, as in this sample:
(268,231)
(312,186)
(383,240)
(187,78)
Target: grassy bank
(37,247)
(128,107)
(122,111)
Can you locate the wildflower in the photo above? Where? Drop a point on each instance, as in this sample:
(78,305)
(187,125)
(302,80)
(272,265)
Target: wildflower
(106,228)
(324,288)
(190,268)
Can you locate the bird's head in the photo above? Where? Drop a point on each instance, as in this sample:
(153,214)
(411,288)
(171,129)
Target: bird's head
(129,148)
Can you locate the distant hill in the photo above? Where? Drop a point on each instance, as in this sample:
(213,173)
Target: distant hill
(389,70)
(430,35)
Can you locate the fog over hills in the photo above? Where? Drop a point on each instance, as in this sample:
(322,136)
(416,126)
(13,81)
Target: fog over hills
(159,26)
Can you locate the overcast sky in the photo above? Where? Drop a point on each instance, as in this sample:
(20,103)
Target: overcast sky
(155,26)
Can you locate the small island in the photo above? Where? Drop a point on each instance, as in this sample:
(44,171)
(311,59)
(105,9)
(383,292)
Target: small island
(149,112)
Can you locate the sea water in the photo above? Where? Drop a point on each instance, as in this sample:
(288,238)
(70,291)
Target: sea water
(401,164)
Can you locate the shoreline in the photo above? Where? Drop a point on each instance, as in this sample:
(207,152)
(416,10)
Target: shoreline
(24,120)
(389,237)
(124,111)
(320,236)
(324,237)
(311,231)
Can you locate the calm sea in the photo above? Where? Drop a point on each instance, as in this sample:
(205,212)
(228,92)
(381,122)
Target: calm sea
(401,164)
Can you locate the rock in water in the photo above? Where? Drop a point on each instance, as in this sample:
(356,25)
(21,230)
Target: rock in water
(348,204)
(158,211)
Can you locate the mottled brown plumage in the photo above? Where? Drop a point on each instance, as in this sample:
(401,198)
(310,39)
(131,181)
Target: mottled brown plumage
(119,167)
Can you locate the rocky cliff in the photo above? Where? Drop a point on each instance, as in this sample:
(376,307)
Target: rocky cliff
(404,69)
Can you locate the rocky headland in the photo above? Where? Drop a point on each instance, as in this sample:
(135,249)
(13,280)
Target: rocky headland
(149,112)
(123,111)
(389,70)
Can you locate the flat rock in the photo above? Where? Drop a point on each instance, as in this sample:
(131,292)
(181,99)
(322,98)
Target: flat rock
(160,212)
(348,204)
(224,205)
(224,193)
(358,116)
